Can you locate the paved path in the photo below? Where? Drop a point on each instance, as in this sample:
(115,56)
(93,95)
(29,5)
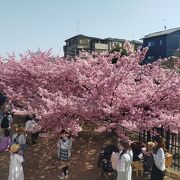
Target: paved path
(41,160)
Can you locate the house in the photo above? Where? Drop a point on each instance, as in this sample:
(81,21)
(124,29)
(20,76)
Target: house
(114,42)
(81,42)
(161,44)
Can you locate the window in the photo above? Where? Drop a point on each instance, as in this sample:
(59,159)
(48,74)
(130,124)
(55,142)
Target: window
(160,42)
(68,43)
(151,43)
(84,41)
(103,42)
(118,44)
(150,58)
(75,41)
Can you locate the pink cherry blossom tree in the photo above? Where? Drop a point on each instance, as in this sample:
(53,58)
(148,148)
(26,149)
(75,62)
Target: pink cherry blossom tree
(91,88)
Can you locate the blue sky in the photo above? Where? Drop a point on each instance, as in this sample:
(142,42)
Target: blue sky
(32,24)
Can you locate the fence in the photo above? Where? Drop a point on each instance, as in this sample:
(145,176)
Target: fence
(172,141)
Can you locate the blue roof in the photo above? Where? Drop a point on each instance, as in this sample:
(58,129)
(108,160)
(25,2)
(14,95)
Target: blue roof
(161,33)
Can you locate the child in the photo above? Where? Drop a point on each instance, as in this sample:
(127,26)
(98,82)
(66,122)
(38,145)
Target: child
(64,152)
(19,138)
(16,160)
(5,141)
(148,159)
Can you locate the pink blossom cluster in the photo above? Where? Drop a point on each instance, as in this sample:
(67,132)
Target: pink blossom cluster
(92,88)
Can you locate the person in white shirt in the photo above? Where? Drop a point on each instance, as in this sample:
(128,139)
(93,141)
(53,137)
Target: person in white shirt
(16,160)
(19,138)
(33,128)
(124,168)
(159,158)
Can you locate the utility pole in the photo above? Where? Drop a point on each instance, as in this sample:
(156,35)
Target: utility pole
(78,24)
(164,24)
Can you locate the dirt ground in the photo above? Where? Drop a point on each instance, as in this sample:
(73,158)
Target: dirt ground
(41,162)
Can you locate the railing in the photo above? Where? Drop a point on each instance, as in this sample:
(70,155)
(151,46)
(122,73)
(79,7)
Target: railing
(172,142)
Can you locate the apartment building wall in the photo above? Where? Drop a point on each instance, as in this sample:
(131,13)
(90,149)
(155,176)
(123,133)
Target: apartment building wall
(80,42)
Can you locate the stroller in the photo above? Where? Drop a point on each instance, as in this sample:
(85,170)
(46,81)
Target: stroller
(104,162)
(148,163)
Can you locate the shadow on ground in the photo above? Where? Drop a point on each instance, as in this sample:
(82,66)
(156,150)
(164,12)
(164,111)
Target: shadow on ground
(41,162)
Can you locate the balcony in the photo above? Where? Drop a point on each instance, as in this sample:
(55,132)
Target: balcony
(83,46)
(101,46)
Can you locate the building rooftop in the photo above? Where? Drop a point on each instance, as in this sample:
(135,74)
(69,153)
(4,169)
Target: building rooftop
(106,39)
(160,33)
(136,42)
(81,35)
(115,39)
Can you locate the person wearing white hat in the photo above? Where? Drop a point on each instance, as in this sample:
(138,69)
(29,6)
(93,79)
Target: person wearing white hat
(16,160)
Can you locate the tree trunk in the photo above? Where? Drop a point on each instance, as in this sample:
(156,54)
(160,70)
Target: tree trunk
(167,139)
(148,136)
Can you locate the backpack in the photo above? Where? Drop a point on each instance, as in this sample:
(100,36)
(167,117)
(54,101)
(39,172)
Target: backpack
(16,139)
(5,122)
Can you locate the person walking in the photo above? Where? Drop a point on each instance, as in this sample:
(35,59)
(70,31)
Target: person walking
(64,152)
(16,160)
(159,159)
